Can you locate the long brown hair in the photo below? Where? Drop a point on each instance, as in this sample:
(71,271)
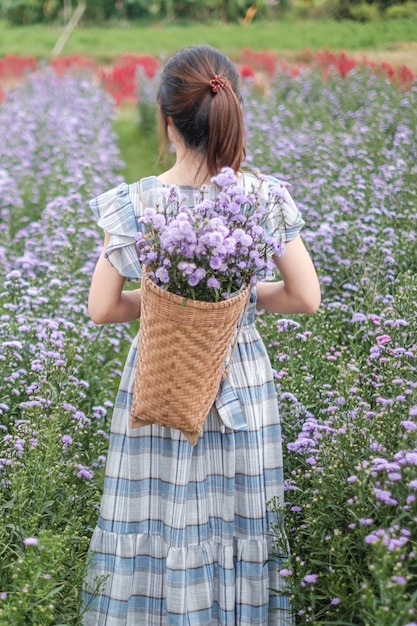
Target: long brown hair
(199,89)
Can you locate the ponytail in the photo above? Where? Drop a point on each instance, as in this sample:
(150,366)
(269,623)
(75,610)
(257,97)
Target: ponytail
(225,147)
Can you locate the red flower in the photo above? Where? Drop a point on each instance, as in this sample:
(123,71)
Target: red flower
(246,71)
(63,64)
(12,66)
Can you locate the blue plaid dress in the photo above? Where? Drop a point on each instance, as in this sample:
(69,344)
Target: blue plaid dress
(184,532)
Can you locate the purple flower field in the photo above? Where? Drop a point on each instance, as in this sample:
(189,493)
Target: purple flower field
(346,377)
(58,370)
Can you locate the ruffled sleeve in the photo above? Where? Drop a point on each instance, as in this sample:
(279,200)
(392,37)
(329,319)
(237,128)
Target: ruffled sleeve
(285,218)
(116,214)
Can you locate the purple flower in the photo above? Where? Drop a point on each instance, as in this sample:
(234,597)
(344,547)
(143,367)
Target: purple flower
(383,339)
(394,476)
(30,541)
(193,279)
(225,179)
(358,317)
(309,579)
(200,273)
(385,496)
(285,572)
(162,274)
(216,262)
(213,283)
(186,267)
(288,396)
(84,472)
(400,580)
(242,237)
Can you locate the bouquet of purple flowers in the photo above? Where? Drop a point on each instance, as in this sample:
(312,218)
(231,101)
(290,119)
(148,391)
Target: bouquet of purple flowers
(210,251)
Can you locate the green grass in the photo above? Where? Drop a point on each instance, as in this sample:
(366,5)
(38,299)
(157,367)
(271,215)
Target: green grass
(105,43)
(139,153)
(138,150)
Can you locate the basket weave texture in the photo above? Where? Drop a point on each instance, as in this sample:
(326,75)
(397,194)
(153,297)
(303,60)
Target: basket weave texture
(183,345)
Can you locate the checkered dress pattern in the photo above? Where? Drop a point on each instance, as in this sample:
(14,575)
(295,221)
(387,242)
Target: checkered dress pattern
(184,532)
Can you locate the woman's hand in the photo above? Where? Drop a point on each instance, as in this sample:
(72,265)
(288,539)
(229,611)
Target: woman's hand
(107,302)
(299,289)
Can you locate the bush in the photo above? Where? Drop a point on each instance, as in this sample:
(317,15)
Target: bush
(20,12)
(406,10)
(364,12)
(100,10)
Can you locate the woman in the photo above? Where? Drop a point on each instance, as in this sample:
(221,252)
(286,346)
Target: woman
(184,531)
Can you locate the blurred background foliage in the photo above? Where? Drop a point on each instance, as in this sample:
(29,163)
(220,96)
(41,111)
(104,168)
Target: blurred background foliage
(20,12)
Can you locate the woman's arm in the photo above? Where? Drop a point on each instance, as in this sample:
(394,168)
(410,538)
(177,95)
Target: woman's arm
(299,289)
(107,302)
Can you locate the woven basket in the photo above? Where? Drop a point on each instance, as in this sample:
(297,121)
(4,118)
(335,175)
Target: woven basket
(182,349)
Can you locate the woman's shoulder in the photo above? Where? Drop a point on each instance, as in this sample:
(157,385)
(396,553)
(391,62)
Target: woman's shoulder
(265,184)
(126,196)
(126,189)
(148,182)
(260,179)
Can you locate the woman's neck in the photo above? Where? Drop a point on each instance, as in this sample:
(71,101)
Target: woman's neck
(188,170)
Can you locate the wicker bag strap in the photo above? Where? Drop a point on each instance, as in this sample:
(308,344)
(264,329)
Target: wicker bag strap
(141,198)
(236,339)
